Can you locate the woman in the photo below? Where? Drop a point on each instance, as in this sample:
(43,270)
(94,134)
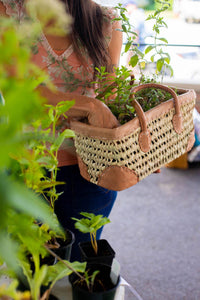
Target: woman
(71,61)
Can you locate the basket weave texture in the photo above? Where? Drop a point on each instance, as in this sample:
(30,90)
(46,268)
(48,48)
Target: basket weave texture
(98,153)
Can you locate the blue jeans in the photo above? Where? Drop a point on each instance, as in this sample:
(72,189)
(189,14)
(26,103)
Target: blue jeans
(79,195)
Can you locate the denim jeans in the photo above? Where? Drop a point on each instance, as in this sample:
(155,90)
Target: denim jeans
(79,195)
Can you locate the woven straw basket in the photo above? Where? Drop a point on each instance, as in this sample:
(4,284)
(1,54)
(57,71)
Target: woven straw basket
(118,158)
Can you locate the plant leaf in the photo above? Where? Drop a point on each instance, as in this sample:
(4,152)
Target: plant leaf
(25,200)
(148,49)
(160,64)
(134,60)
(128,45)
(60,270)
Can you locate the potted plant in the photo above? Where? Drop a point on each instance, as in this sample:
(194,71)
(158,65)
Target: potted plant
(94,251)
(34,276)
(100,282)
(155,121)
(38,165)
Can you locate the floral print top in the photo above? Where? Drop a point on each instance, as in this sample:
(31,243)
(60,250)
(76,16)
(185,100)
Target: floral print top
(65,70)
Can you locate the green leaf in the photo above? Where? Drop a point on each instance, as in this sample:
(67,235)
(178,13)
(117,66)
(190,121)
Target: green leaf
(91,223)
(37,281)
(152,58)
(160,64)
(124,28)
(82,226)
(68,133)
(24,200)
(163,40)
(128,45)
(148,49)
(8,251)
(64,106)
(25,265)
(51,114)
(46,122)
(134,60)
(167,59)
(94,274)
(45,160)
(89,215)
(171,70)
(60,270)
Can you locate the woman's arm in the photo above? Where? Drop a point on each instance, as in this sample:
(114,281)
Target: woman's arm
(114,50)
(115,44)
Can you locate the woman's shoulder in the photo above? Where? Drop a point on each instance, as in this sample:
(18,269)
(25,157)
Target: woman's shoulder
(109,13)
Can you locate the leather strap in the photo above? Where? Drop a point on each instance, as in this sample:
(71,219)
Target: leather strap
(144,137)
(177,122)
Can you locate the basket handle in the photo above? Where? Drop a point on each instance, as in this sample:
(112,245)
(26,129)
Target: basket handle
(145,137)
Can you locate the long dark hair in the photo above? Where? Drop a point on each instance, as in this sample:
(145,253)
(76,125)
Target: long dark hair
(88,29)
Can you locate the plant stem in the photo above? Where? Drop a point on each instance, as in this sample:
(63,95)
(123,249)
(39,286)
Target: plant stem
(65,263)
(94,241)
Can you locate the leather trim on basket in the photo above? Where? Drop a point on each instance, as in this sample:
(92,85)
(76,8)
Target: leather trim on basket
(125,178)
(191,141)
(129,127)
(83,168)
(145,141)
(177,123)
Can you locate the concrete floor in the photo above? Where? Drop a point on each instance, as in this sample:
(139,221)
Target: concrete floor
(155,231)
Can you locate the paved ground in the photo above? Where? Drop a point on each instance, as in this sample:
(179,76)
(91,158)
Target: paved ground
(155,231)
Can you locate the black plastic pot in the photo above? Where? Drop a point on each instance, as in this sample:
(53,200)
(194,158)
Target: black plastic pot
(80,291)
(64,251)
(105,253)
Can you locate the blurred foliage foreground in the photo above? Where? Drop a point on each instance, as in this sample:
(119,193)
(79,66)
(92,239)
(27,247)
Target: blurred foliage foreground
(27,221)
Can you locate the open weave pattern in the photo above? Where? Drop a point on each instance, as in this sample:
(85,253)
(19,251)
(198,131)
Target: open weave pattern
(166,145)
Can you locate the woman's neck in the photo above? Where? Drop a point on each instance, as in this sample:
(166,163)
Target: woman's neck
(59,42)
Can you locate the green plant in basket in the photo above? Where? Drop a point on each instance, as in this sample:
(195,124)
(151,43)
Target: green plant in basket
(116,91)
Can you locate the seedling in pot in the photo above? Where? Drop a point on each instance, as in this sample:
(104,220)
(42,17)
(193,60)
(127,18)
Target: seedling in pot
(90,224)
